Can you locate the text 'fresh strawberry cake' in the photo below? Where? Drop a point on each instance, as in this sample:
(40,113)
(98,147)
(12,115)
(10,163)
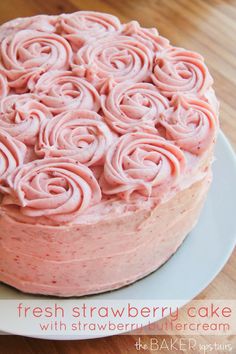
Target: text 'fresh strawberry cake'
(107,135)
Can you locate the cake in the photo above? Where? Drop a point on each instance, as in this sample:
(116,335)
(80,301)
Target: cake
(107,135)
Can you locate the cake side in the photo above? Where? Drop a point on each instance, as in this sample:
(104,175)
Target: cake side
(69,262)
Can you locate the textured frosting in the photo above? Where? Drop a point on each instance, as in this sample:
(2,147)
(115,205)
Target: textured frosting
(133,106)
(141,162)
(140,113)
(107,133)
(22,115)
(85,26)
(115,58)
(28,53)
(107,254)
(57,189)
(79,134)
(61,91)
(4,88)
(191,123)
(178,70)
(41,23)
(148,36)
(12,153)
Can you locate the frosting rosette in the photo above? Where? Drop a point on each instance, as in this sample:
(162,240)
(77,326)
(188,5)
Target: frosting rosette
(85,26)
(81,135)
(177,70)
(54,189)
(133,107)
(22,115)
(149,36)
(116,58)
(26,54)
(191,123)
(12,153)
(62,91)
(142,163)
(4,88)
(42,23)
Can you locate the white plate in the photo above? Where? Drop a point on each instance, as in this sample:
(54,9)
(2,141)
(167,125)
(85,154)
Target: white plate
(203,253)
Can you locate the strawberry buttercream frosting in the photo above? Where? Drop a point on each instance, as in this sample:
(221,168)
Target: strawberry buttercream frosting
(110,60)
(179,70)
(21,116)
(61,91)
(107,135)
(80,134)
(12,154)
(133,106)
(85,26)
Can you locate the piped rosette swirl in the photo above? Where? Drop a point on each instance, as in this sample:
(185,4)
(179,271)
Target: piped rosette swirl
(148,36)
(42,23)
(26,54)
(62,91)
(114,59)
(80,134)
(177,70)
(51,190)
(22,115)
(86,26)
(142,163)
(133,107)
(12,154)
(191,123)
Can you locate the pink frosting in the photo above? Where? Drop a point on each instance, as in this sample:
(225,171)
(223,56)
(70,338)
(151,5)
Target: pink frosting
(22,115)
(106,143)
(107,95)
(191,123)
(81,259)
(42,23)
(4,88)
(86,26)
(12,153)
(133,106)
(117,58)
(210,98)
(149,36)
(61,91)
(26,54)
(57,189)
(178,70)
(79,134)
(144,163)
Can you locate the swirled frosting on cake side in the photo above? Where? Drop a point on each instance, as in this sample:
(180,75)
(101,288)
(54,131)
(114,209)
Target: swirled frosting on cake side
(94,112)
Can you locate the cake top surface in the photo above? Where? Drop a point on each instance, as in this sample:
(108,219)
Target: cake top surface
(95,115)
